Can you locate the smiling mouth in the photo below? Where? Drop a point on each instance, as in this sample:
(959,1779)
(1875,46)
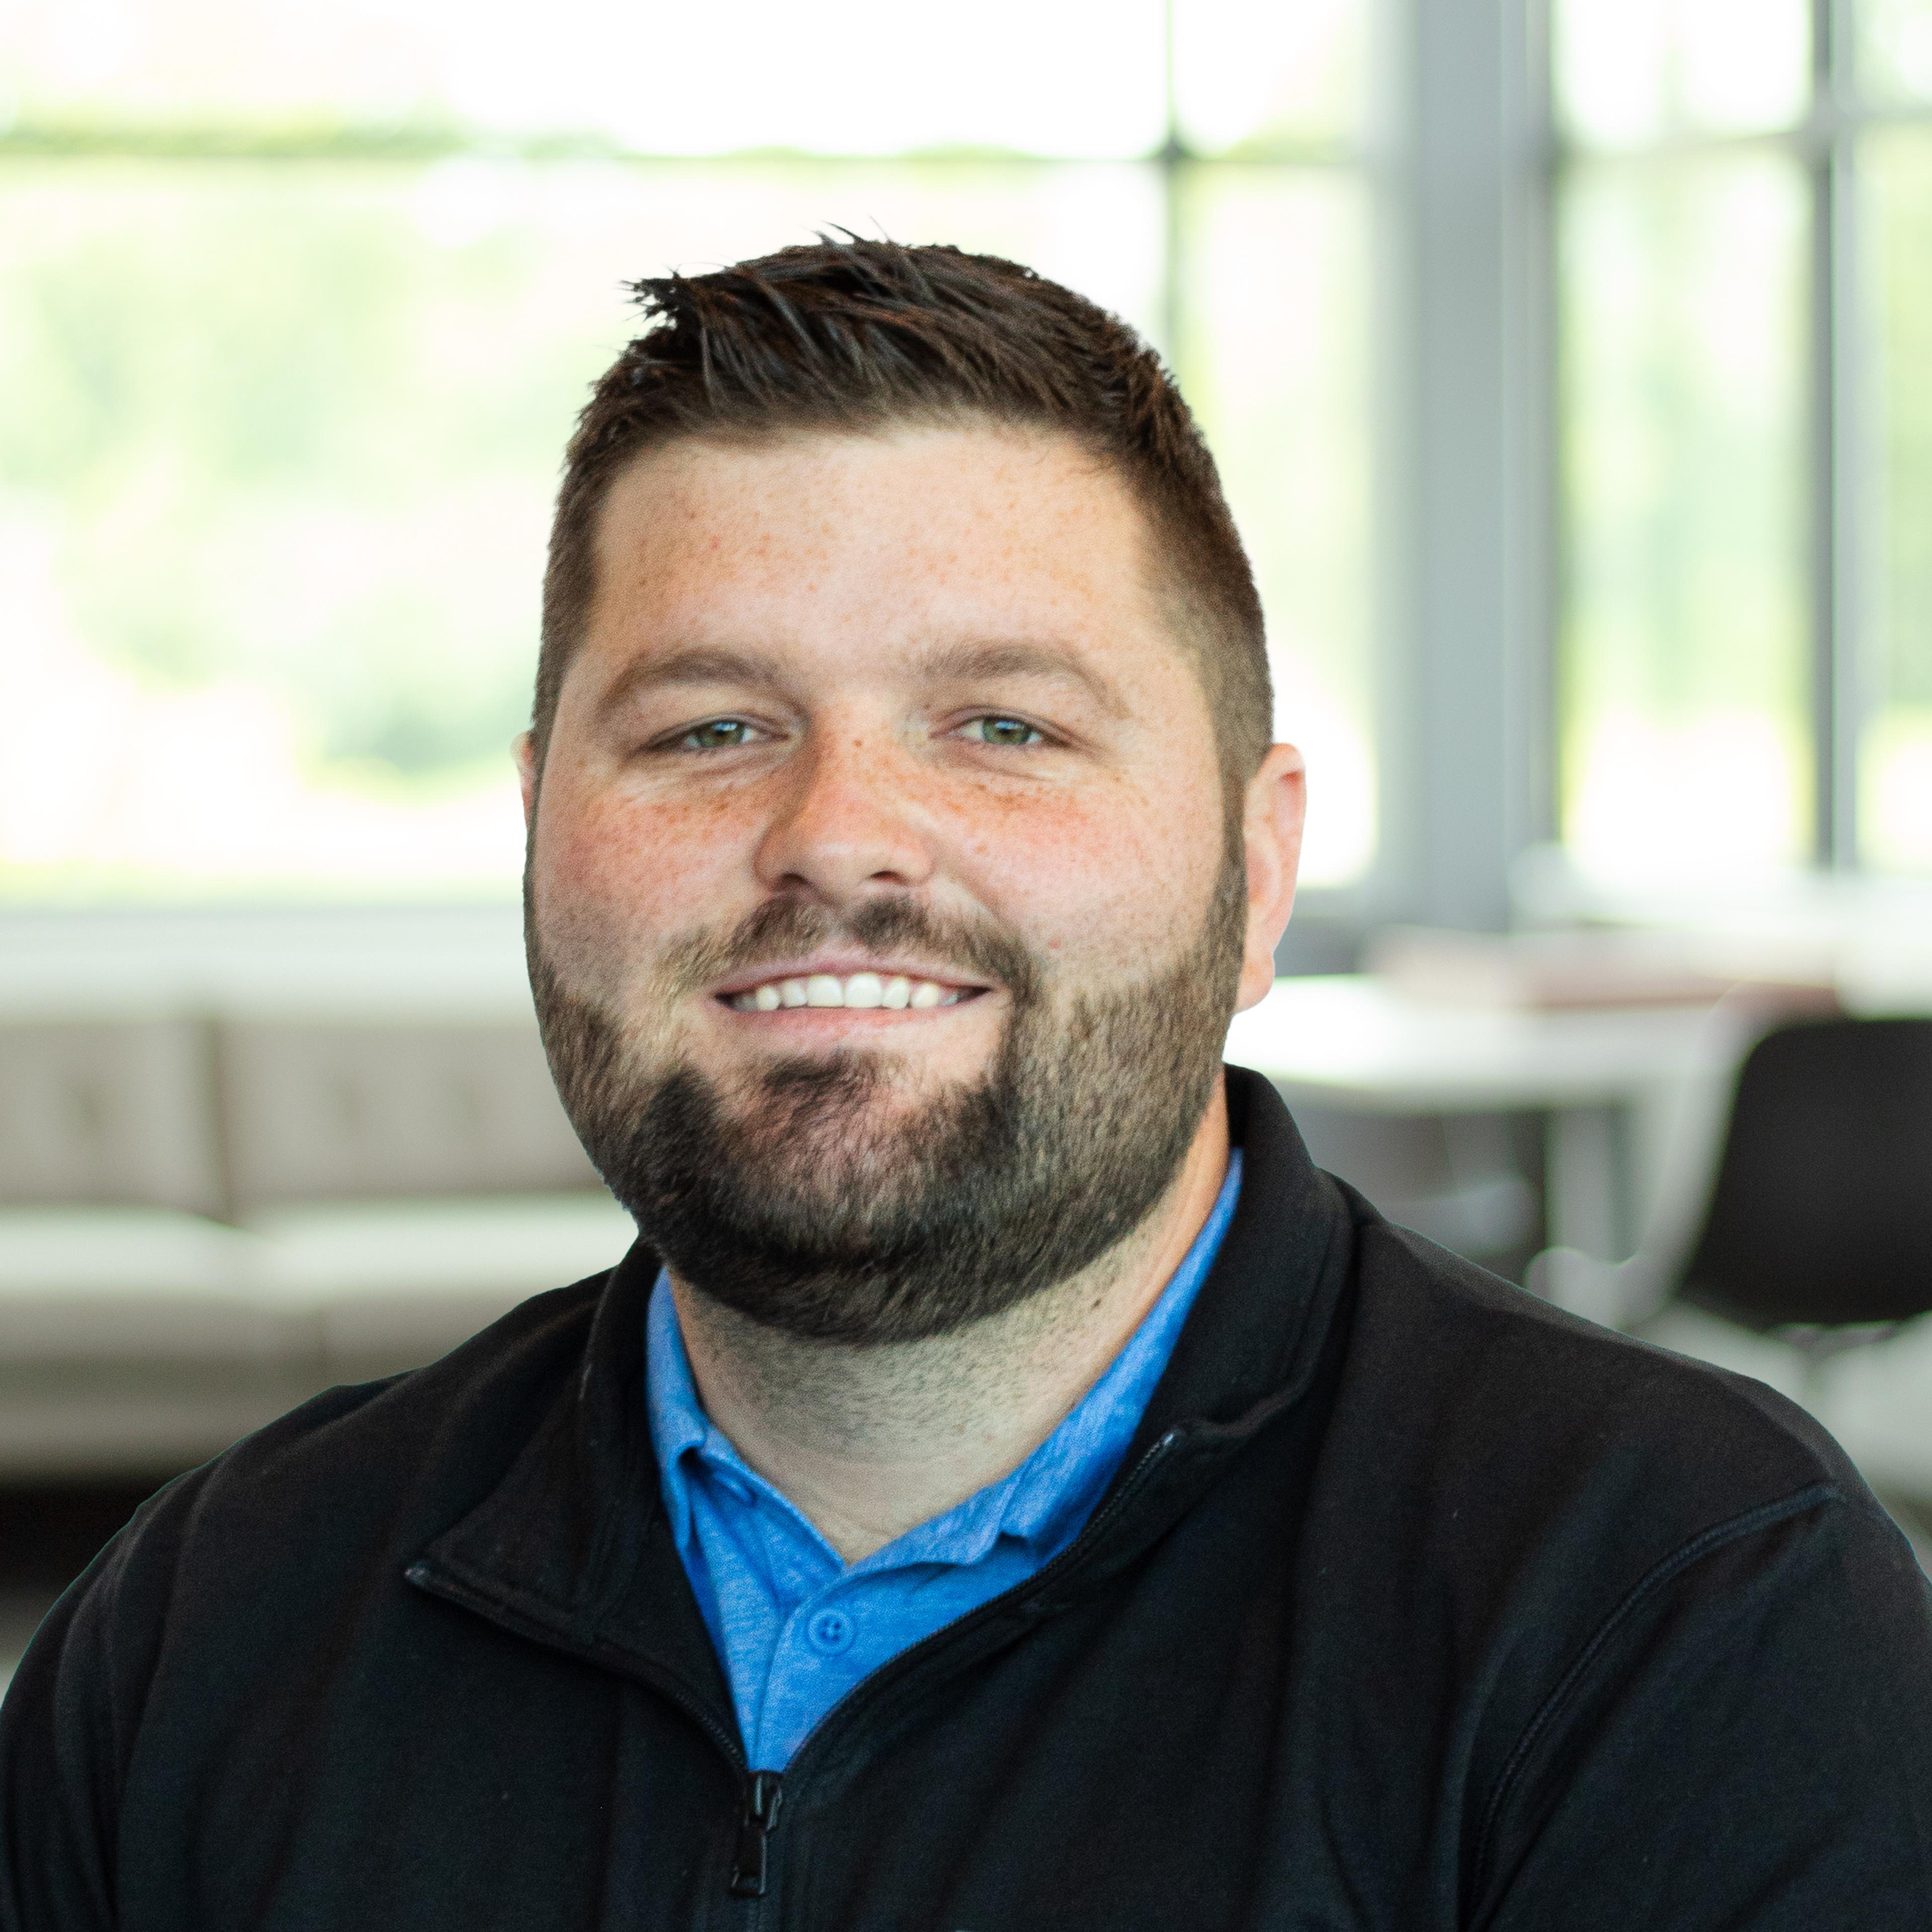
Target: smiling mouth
(893,993)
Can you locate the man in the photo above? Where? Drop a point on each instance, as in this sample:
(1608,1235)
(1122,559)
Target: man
(1007,1487)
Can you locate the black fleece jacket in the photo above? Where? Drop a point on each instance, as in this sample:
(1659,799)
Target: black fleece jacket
(1418,1604)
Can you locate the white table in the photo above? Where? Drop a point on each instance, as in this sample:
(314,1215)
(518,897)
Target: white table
(1608,1080)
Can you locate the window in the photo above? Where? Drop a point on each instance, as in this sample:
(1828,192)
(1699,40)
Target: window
(298,302)
(1744,256)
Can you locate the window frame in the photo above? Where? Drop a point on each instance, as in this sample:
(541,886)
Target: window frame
(1841,686)
(1177,162)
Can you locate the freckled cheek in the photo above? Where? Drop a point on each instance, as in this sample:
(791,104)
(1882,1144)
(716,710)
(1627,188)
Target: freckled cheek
(614,868)
(1080,887)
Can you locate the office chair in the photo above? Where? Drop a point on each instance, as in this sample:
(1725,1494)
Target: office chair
(1815,1227)
(1820,1225)
(1814,1219)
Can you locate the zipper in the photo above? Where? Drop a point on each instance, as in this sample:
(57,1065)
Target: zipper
(764,1792)
(750,1873)
(753,1864)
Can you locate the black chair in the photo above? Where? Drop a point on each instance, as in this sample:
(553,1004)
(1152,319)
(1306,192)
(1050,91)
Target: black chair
(1815,1228)
(1815,1223)
(1819,1227)
(1820,1215)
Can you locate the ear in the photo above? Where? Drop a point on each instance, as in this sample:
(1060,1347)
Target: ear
(1276,803)
(525,751)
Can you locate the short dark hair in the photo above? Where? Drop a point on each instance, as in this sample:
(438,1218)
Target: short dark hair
(853,335)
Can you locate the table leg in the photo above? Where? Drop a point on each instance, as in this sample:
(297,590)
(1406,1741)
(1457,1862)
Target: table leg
(1587,1200)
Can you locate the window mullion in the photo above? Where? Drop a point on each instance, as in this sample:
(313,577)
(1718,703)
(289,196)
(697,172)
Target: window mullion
(1838,695)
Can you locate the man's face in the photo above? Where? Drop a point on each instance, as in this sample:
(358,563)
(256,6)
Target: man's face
(880,848)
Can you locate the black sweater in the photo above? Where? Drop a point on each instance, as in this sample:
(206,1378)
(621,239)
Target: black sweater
(1417,1604)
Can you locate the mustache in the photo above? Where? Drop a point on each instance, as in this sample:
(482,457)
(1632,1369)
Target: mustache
(779,929)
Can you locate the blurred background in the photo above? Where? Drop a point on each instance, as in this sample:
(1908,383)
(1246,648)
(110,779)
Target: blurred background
(1569,364)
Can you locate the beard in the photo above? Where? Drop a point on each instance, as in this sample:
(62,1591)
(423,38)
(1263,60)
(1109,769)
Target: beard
(810,1199)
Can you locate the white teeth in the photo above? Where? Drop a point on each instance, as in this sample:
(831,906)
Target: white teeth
(859,990)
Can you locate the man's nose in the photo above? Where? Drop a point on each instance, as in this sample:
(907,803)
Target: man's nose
(848,823)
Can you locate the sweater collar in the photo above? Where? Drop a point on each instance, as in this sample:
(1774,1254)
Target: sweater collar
(1257,1327)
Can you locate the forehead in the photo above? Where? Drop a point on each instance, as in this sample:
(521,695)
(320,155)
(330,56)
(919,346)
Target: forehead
(906,532)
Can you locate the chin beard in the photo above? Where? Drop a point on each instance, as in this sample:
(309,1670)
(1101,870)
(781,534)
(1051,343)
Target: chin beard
(815,1203)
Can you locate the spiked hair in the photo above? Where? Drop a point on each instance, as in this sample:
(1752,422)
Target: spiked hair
(854,337)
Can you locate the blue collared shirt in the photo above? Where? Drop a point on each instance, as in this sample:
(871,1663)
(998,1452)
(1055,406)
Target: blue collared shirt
(795,1626)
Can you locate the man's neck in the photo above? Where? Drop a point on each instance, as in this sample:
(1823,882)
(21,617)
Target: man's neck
(870,1442)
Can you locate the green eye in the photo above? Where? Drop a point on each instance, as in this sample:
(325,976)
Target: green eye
(717,734)
(1005,731)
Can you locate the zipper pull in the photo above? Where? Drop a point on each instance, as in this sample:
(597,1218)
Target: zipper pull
(762,1797)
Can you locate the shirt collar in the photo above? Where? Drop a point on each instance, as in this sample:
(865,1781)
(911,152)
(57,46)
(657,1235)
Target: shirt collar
(1055,1486)
(1057,1481)
(680,1427)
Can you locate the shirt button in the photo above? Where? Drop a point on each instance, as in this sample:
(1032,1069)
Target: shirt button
(829,1632)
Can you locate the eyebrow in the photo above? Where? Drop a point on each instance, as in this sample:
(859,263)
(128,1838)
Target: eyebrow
(706,664)
(967,661)
(699,665)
